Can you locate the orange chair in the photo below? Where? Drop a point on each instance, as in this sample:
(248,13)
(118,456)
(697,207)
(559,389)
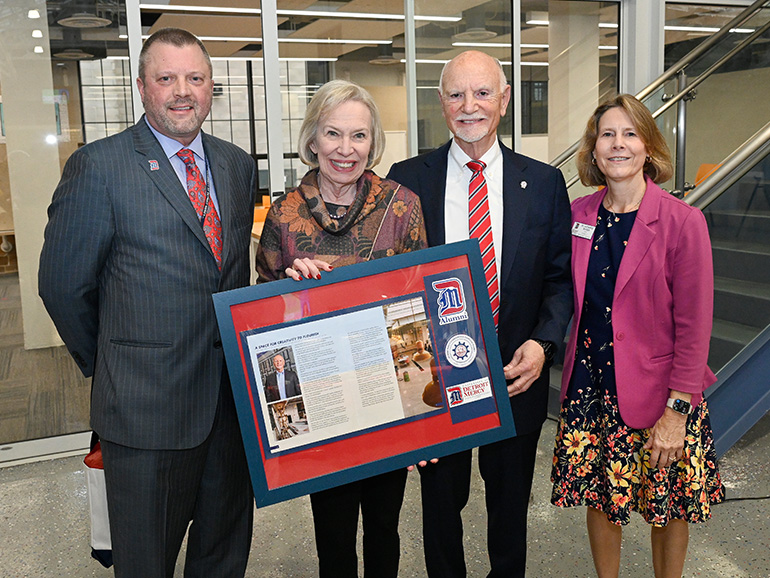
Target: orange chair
(704,171)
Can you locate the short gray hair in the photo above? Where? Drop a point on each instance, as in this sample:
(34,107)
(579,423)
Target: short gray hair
(331,95)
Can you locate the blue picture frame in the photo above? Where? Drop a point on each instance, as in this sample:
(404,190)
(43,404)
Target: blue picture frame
(466,368)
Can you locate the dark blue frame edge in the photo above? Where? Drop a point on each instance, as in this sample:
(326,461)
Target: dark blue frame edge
(225,300)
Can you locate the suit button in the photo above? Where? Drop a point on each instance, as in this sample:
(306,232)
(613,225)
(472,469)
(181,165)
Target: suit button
(218,344)
(620,336)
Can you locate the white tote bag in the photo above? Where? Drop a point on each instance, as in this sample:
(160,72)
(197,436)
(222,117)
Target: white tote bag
(97,500)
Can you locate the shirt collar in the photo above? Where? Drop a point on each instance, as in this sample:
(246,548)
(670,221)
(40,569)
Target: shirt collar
(171,146)
(461,158)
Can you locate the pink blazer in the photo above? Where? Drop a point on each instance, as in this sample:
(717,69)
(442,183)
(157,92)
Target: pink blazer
(662,305)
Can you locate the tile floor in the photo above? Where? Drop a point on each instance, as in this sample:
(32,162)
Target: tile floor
(44,528)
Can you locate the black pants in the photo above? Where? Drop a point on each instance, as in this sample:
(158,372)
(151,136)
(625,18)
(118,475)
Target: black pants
(507,468)
(152,495)
(335,517)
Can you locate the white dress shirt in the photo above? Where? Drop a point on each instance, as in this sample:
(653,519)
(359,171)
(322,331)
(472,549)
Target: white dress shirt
(458,178)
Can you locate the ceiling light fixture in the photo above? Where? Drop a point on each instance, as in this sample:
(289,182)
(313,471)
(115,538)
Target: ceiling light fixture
(73,54)
(475,26)
(38,50)
(385,56)
(205,9)
(84,20)
(259,59)
(37,34)
(484,44)
(333,41)
(288,40)
(429,61)
(33,14)
(318,13)
(706,29)
(536,18)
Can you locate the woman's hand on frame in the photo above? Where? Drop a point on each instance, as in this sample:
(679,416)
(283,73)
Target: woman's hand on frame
(306,268)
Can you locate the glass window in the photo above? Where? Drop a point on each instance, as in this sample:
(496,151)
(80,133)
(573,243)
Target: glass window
(360,44)
(442,32)
(106,91)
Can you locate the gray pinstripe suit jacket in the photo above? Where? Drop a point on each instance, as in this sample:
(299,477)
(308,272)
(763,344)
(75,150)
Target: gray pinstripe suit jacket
(127,276)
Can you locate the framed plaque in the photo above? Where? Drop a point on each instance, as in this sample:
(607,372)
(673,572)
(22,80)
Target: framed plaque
(371,368)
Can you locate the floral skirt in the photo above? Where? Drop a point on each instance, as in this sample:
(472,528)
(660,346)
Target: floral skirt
(599,462)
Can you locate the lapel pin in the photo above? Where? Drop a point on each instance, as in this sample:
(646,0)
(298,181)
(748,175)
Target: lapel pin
(523,184)
(154,166)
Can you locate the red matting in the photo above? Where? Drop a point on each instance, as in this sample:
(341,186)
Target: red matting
(358,449)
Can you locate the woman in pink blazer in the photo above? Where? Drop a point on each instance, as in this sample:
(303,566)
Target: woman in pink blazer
(634,431)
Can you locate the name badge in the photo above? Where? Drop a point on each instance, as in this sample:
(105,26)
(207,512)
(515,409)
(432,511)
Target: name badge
(582,230)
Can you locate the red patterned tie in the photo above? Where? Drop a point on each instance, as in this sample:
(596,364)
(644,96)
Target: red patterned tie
(480,227)
(203,203)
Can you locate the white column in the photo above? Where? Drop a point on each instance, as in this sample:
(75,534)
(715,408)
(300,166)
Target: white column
(573,74)
(33,162)
(516,73)
(134,29)
(641,43)
(272,74)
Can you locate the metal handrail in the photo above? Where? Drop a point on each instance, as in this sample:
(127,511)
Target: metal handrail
(681,64)
(711,69)
(701,49)
(732,168)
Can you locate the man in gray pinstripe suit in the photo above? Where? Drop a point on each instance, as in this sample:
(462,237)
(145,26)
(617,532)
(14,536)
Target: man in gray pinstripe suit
(127,275)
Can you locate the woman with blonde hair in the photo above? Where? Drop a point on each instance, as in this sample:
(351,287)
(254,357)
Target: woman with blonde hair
(342,213)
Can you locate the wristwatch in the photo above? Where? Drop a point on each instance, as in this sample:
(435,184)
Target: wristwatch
(548,348)
(680,406)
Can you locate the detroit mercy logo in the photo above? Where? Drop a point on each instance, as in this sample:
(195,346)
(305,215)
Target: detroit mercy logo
(451,301)
(454,395)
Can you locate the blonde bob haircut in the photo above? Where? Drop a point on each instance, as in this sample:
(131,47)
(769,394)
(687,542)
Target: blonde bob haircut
(658,167)
(330,96)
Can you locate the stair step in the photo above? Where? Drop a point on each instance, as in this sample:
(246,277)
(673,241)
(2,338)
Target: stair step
(741,260)
(738,225)
(742,247)
(733,332)
(743,288)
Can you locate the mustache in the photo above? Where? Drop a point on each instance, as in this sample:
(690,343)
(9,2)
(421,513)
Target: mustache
(182,102)
(460,117)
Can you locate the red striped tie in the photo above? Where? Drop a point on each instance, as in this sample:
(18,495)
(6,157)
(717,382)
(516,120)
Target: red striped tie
(203,203)
(480,227)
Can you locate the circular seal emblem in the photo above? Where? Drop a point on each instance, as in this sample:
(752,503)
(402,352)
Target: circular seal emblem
(460,350)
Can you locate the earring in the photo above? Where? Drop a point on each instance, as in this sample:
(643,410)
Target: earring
(593,161)
(647,159)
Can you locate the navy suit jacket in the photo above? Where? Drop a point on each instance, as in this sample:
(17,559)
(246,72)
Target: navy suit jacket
(127,275)
(290,381)
(535,281)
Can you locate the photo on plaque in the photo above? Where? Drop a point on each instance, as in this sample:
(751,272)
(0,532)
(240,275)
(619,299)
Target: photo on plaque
(373,367)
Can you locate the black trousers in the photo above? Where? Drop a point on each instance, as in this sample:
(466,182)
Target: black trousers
(335,517)
(152,495)
(507,468)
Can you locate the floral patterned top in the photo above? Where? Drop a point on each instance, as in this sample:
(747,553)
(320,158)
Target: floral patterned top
(384,219)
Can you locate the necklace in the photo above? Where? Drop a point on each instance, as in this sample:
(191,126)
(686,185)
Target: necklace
(609,204)
(337,212)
